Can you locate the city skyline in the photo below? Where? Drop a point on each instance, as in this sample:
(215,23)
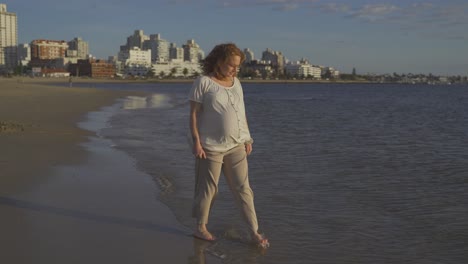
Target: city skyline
(395,36)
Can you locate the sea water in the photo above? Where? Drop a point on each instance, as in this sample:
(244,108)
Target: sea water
(341,173)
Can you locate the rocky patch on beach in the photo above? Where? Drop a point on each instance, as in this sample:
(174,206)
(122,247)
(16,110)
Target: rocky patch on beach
(11,127)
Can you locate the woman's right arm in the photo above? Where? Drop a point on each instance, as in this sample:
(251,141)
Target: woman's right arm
(197,150)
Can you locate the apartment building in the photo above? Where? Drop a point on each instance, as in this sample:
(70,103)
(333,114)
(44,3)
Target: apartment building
(159,48)
(24,54)
(276,58)
(78,48)
(176,53)
(177,68)
(92,68)
(249,55)
(136,40)
(135,61)
(303,69)
(192,51)
(8,39)
(42,49)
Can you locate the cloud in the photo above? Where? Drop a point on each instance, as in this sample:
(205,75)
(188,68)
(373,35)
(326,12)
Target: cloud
(447,21)
(374,12)
(450,14)
(368,13)
(286,7)
(278,5)
(334,8)
(448,18)
(445,35)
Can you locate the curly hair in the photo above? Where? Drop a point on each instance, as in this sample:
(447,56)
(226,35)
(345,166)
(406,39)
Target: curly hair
(218,55)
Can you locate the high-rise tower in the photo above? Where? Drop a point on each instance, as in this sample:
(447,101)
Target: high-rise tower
(249,55)
(159,48)
(8,39)
(80,46)
(276,58)
(136,40)
(192,51)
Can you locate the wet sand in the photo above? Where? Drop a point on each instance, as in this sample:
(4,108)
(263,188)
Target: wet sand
(67,196)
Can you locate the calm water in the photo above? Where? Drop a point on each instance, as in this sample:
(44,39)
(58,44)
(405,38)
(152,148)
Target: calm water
(341,173)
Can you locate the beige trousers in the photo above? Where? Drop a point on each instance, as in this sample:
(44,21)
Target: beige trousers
(233,164)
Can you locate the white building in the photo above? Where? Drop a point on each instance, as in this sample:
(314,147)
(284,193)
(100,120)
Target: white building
(135,61)
(80,46)
(177,68)
(303,69)
(176,53)
(315,72)
(276,57)
(249,55)
(159,48)
(193,52)
(334,73)
(24,54)
(8,39)
(136,40)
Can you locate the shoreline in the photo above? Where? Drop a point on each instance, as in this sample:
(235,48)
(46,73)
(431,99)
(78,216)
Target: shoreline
(176,80)
(66,195)
(66,81)
(48,117)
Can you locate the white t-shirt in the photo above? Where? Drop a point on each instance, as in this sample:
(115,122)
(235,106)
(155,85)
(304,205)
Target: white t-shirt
(222,123)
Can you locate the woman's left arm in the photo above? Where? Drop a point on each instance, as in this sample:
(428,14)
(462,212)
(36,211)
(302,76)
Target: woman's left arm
(248,144)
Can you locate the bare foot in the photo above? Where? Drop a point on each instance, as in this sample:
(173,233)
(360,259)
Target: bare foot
(204,235)
(260,240)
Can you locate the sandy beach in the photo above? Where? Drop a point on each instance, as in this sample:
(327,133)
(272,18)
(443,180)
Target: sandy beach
(66,196)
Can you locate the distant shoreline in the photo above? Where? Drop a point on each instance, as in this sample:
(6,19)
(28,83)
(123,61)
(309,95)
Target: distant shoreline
(178,80)
(65,81)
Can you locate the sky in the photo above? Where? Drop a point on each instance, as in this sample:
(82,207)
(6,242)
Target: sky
(377,37)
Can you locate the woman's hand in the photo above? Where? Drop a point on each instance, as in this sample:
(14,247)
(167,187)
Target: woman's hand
(198,151)
(248,148)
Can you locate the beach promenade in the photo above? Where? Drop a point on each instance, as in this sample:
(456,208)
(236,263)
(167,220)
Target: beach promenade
(67,196)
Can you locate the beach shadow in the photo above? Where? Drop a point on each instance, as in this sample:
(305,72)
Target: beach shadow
(90,216)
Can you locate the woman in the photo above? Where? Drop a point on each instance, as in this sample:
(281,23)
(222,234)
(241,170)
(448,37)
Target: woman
(221,138)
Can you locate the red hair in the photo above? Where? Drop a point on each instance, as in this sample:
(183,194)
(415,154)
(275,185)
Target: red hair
(218,55)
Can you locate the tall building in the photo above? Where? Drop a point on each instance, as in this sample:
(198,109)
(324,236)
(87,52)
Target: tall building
(176,53)
(276,58)
(192,51)
(8,39)
(136,40)
(80,46)
(24,54)
(249,55)
(159,48)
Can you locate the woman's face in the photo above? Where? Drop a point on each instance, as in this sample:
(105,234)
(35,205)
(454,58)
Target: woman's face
(231,66)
